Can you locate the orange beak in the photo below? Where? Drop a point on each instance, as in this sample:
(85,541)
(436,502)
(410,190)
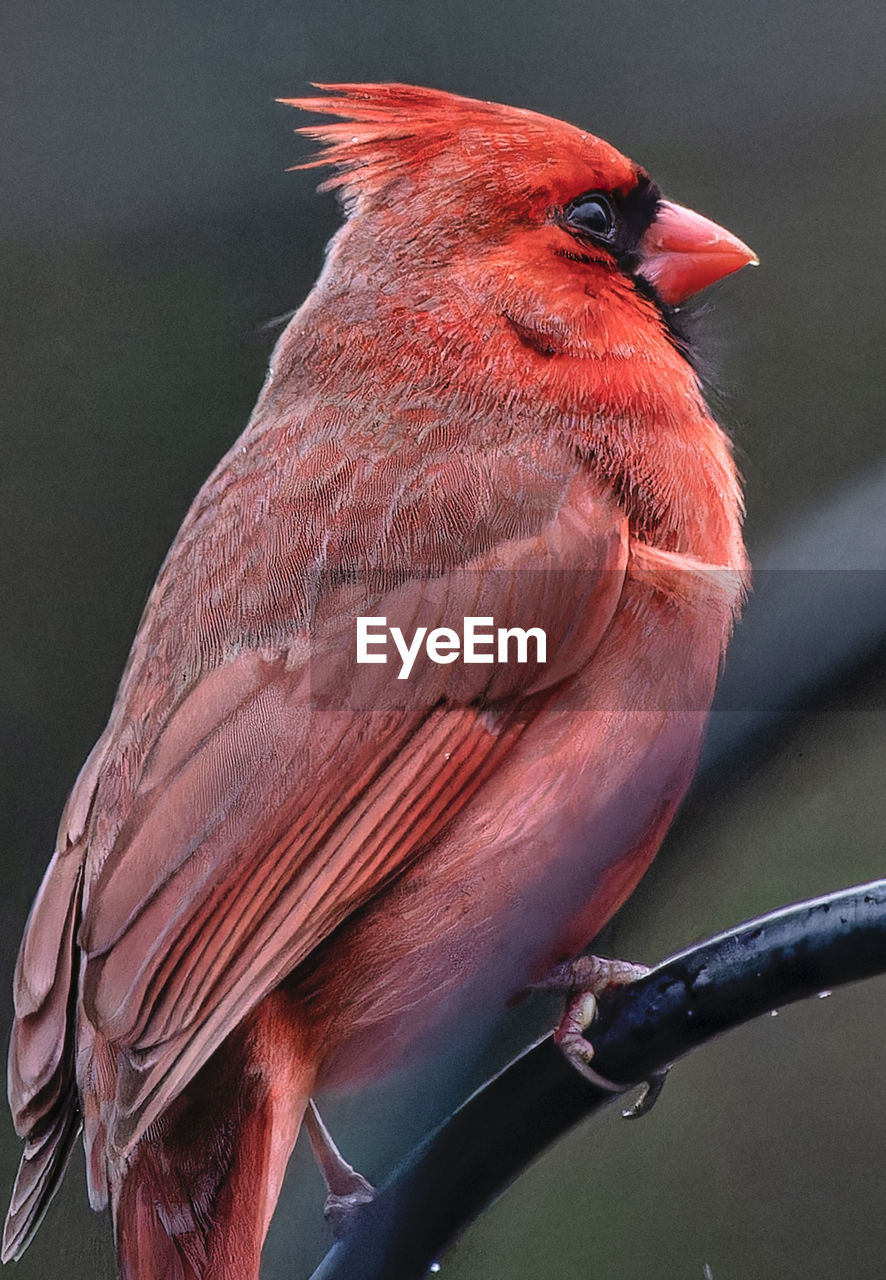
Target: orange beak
(682,253)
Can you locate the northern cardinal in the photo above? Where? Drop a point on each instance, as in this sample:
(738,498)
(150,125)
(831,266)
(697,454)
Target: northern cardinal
(282,868)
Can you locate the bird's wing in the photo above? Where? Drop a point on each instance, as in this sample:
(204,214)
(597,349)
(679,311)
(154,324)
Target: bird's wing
(289,785)
(42,1085)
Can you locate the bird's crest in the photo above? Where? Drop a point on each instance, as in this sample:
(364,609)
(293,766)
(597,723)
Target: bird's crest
(388,127)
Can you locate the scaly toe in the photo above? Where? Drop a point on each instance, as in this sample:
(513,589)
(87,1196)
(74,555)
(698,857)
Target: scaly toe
(338,1210)
(585,978)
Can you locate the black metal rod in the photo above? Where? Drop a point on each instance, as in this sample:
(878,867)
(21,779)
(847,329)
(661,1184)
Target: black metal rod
(466,1163)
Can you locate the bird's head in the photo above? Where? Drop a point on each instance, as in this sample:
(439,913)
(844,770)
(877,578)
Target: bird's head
(442,179)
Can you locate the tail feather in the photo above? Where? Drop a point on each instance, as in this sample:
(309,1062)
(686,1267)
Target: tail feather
(39,1174)
(153,1242)
(196,1195)
(42,1086)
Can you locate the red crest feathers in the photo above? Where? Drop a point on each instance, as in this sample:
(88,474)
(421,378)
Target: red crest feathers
(389,127)
(379,116)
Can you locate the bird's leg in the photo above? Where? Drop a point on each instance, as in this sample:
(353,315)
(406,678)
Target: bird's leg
(346,1190)
(584,979)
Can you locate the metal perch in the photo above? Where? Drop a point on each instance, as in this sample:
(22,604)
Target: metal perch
(685,1001)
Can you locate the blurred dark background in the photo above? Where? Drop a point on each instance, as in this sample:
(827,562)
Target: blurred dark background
(149,232)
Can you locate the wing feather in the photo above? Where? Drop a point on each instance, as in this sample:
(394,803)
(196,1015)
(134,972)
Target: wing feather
(236,818)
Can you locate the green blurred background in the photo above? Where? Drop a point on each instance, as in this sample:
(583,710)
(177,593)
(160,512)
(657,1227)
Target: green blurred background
(148,233)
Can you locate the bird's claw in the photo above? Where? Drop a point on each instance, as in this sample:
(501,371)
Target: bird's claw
(585,979)
(570,1039)
(590,973)
(339,1210)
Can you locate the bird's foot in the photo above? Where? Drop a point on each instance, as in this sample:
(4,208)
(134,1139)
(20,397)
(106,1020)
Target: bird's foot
(584,979)
(346,1190)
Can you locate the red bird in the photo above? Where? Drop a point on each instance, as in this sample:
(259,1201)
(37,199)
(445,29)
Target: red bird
(285,863)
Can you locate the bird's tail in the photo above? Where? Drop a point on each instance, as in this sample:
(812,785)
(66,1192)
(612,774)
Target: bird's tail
(42,1165)
(196,1197)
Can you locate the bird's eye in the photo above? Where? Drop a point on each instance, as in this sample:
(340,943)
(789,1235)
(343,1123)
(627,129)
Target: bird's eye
(591,215)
